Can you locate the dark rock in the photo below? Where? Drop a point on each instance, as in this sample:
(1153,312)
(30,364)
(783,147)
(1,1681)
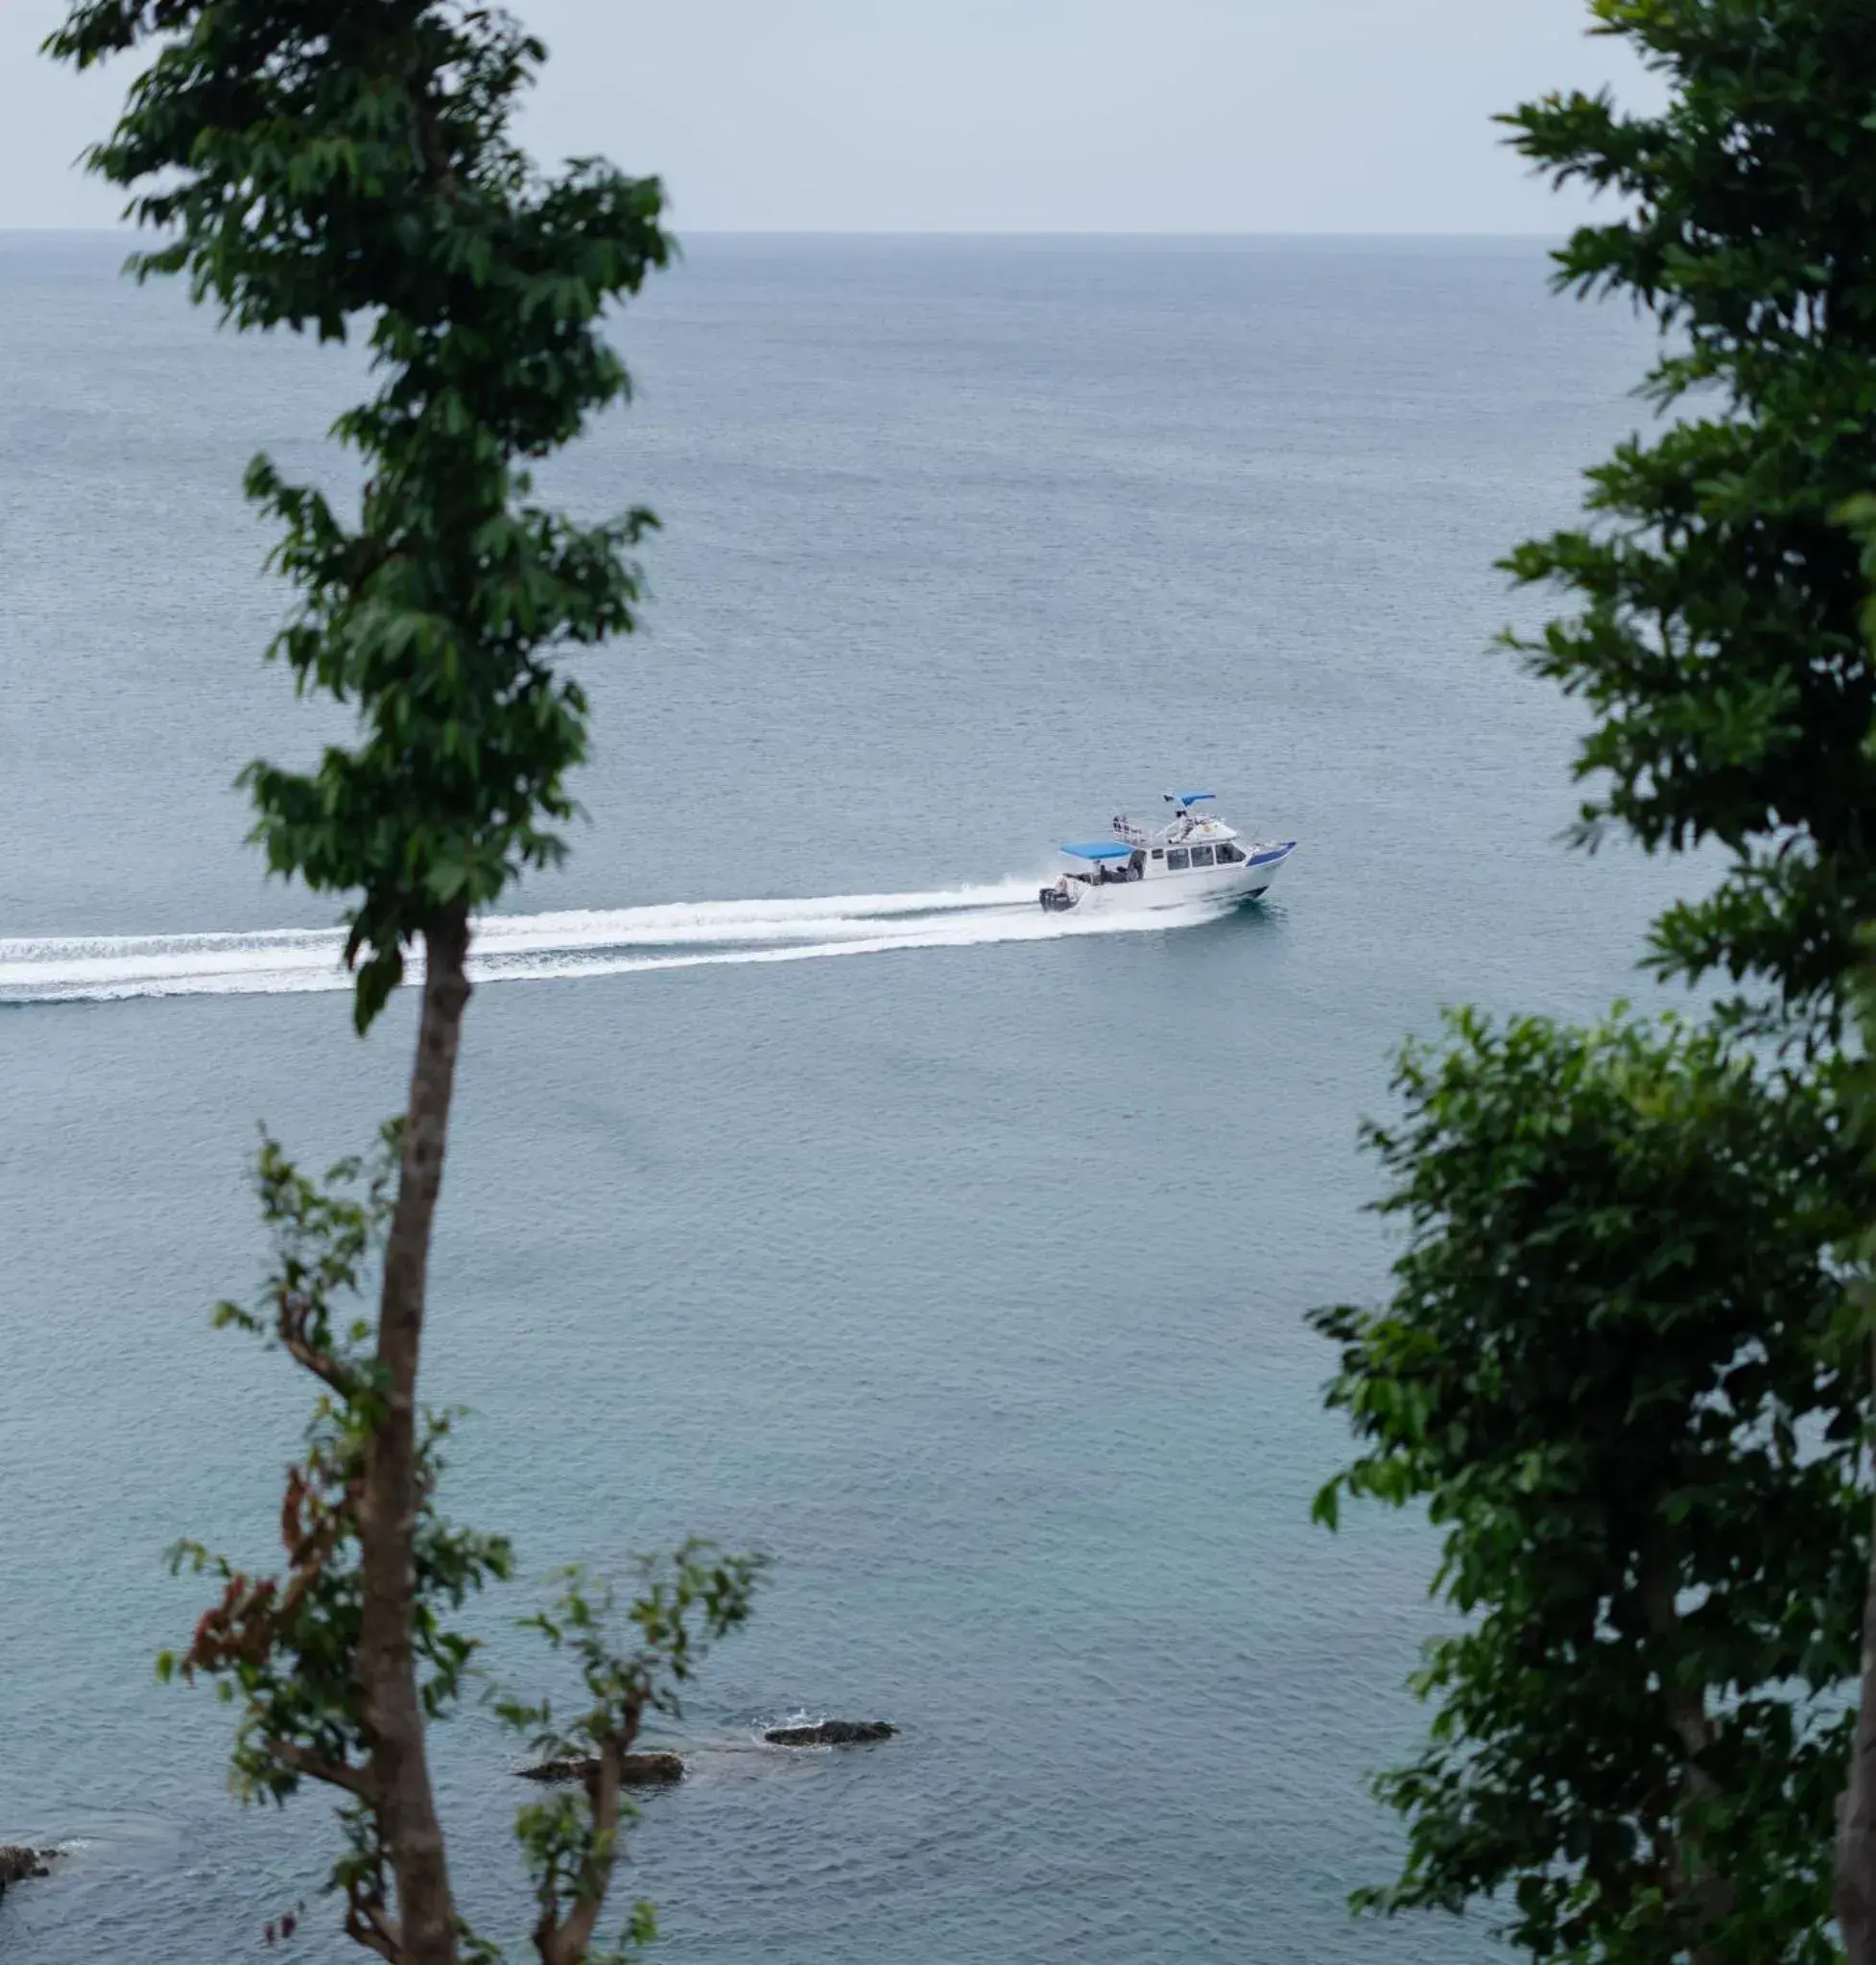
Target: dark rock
(17,1864)
(830,1733)
(640,1770)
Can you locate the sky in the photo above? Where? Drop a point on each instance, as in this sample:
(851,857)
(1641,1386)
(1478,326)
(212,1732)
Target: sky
(1363,116)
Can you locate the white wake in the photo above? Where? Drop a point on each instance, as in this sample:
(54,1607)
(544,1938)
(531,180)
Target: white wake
(538,947)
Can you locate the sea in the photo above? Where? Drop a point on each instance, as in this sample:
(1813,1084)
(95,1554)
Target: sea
(810,1189)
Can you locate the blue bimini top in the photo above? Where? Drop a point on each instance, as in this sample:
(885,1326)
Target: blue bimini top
(1099,849)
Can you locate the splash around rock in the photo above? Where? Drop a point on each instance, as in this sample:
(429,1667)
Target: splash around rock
(831,1732)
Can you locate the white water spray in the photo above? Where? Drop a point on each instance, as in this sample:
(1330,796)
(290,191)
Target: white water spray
(539,947)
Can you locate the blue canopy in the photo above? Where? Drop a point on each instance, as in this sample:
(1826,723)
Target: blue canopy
(1188,797)
(1099,849)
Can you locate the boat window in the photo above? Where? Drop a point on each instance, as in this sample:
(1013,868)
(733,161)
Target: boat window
(1178,859)
(1229,855)
(1201,855)
(1159,852)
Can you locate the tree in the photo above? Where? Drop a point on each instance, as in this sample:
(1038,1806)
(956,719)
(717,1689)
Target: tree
(1718,642)
(1614,1361)
(341,166)
(286,1649)
(1856,1839)
(1616,1365)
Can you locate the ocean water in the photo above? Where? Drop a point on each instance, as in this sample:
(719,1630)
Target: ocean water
(965,1275)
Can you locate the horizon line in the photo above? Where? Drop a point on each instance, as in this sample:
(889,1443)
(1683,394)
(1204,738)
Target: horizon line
(946,233)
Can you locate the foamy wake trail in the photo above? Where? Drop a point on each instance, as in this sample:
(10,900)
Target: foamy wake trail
(538,947)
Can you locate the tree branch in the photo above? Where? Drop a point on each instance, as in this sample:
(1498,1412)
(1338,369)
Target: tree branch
(320,1363)
(299,1759)
(364,1926)
(565,1941)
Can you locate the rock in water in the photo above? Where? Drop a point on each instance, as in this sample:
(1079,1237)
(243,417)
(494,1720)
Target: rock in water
(640,1770)
(17,1864)
(652,1770)
(830,1733)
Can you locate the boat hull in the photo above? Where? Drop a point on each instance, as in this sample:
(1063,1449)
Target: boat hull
(1248,881)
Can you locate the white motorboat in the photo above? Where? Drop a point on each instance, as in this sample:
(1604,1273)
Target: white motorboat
(1195,855)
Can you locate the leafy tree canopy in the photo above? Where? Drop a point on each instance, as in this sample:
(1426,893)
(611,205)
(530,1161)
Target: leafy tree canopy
(1718,642)
(326,164)
(1616,1365)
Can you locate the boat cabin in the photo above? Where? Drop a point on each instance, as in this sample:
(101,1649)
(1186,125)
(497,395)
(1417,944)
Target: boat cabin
(1189,843)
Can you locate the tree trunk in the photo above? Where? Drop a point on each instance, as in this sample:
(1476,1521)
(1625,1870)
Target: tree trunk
(1853,1897)
(566,1941)
(1686,1710)
(388,1504)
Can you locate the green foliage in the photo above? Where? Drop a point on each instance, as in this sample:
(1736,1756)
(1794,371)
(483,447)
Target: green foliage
(685,1603)
(333,167)
(1860,516)
(1718,642)
(318,164)
(1621,1361)
(1617,1367)
(323,1237)
(284,1648)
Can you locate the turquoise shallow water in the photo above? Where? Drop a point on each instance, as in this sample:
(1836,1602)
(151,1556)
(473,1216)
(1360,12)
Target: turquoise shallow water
(967,1278)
